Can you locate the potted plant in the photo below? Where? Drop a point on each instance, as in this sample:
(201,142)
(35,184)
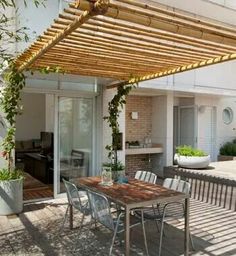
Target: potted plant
(228,151)
(11,179)
(117,169)
(189,157)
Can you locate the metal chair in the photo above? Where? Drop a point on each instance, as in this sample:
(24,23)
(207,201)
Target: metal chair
(101,212)
(146,176)
(75,200)
(150,178)
(172,210)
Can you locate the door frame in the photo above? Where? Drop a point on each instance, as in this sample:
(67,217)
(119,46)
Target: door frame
(72,94)
(56,171)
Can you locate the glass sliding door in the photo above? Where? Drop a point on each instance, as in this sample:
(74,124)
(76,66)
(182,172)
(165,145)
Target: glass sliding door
(187,128)
(75,139)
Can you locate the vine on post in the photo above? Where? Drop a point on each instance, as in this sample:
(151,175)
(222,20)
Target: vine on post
(114,108)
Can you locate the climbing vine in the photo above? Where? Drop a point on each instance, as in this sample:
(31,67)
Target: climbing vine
(114,109)
(10,103)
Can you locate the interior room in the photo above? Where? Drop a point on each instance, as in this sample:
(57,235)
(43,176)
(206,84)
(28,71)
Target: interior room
(35,142)
(34,145)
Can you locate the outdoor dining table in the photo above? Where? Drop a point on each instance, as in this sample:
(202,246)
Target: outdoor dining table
(137,194)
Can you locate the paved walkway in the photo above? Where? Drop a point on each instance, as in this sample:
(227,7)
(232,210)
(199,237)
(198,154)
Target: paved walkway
(35,232)
(225,169)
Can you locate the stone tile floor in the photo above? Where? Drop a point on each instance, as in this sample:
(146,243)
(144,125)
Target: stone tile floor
(35,232)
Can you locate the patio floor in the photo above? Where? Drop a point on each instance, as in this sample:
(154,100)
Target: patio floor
(35,232)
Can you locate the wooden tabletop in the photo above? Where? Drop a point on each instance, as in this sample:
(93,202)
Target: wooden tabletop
(134,194)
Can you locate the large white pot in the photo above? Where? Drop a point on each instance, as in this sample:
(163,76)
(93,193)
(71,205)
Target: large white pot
(11,197)
(193,162)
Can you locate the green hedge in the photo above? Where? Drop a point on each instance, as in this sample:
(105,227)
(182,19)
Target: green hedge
(228,149)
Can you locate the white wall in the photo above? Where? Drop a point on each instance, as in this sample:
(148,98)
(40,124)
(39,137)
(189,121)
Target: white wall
(159,129)
(32,121)
(203,8)
(49,112)
(36,19)
(219,79)
(224,132)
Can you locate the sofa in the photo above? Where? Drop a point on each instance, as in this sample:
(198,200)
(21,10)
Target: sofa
(27,146)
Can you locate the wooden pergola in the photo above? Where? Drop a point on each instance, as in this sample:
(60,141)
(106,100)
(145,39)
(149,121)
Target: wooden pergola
(121,39)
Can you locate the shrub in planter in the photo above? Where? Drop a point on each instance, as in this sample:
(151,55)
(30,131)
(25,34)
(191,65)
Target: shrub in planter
(189,157)
(11,180)
(228,149)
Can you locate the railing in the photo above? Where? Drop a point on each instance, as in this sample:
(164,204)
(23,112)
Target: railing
(207,188)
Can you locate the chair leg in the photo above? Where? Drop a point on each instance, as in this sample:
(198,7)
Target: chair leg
(79,232)
(113,238)
(161,235)
(156,221)
(144,233)
(95,225)
(64,220)
(81,225)
(191,240)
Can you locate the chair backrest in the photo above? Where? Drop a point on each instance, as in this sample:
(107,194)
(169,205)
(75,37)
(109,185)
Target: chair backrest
(100,209)
(177,185)
(77,158)
(73,195)
(146,176)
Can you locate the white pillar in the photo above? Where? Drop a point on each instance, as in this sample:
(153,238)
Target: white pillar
(169,128)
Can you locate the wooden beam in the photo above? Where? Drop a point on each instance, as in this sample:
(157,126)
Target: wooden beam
(80,53)
(123,64)
(93,64)
(155,33)
(173,52)
(98,7)
(169,24)
(137,42)
(138,34)
(177,70)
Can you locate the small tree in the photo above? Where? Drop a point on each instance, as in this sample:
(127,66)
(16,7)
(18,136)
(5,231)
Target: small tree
(14,81)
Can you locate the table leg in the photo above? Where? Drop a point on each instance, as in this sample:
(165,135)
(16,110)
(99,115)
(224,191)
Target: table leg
(71,216)
(127,231)
(186,234)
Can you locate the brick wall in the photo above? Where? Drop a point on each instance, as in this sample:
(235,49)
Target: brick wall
(136,163)
(138,129)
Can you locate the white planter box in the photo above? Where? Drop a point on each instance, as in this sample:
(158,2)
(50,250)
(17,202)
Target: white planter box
(193,162)
(226,158)
(11,197)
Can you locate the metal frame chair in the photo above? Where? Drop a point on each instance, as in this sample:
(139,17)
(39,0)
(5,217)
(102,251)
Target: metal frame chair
(101,212)
(74,200)
(146,176)
(167,211)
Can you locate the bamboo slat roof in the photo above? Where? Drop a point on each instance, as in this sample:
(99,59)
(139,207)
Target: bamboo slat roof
(123,38)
